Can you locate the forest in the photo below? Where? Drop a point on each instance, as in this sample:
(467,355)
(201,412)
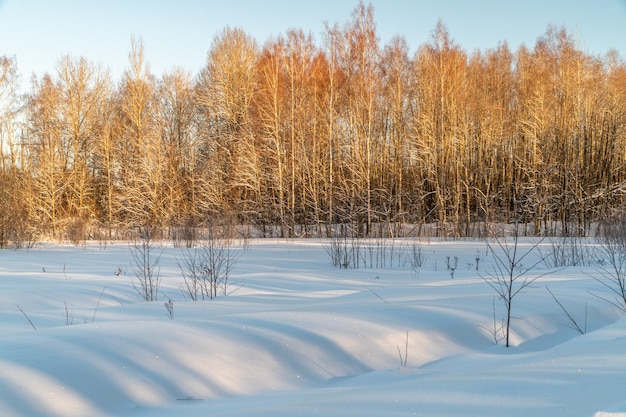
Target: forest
(305,137)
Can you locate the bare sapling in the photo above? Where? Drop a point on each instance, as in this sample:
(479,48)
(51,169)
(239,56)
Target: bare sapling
(344,248)
(145,263)
(193,270)
(206,269)
(570,251)
(612,271)
(511,275)
(416,256)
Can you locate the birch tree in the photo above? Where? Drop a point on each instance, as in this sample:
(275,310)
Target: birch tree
(225,92)
(358,57)
(140,155)
(13,212)
(83,91)
(48,157)
(178,134)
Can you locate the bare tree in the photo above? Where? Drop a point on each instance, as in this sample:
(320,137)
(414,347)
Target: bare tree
(226,89)
(107,166)
(48,158)
(140,157)
(358,55)
(441,74)
(84,90)
(274,127)
(13,214)
(175,117)
(395,66)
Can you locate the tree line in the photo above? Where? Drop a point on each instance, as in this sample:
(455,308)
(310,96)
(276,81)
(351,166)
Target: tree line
(303,138)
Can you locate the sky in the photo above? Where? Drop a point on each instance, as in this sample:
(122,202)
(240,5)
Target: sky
(179,33)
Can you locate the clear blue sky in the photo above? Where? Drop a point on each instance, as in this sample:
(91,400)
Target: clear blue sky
(179,32)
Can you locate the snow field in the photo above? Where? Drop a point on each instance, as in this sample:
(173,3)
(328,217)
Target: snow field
(298,337)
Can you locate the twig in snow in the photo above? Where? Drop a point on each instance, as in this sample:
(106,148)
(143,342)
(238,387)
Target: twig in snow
(27,318)
(381,298)
(69,317)
(93,318)
(403,361)
(573,323)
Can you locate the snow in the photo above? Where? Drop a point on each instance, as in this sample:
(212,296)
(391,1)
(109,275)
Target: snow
(299,337)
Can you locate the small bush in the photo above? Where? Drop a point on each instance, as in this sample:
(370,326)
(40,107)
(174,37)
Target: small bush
(612,274)
(206,269)
(145,263)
